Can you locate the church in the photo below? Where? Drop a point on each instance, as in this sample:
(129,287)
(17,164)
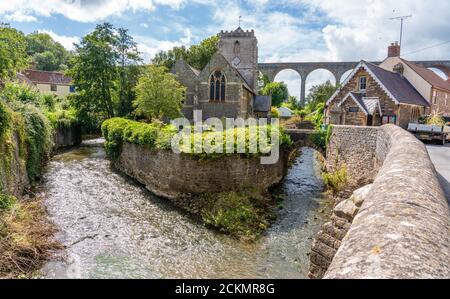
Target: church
(227,86)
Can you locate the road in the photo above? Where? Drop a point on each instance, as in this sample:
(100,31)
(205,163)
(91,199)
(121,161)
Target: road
(440,155)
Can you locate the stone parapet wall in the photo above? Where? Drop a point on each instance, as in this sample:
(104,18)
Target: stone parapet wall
(402,229)
(180,177)
(355,148)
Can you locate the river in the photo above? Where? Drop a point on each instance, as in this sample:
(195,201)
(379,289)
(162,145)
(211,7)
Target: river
(114,228)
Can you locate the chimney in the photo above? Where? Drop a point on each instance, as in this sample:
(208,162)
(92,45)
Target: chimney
(394,50)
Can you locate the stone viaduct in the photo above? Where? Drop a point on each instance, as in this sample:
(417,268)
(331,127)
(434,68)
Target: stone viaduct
(338,69)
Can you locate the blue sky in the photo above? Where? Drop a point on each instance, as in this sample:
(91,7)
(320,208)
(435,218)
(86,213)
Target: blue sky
(287,30)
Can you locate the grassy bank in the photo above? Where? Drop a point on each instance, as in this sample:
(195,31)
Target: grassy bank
(28,121)
(25,237)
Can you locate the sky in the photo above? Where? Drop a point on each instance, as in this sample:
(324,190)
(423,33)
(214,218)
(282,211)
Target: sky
(287,30)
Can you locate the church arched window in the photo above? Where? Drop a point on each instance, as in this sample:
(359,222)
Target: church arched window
(217,87)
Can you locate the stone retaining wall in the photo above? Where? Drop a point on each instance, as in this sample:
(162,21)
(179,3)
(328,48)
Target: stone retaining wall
(402,229)
(181,177)
(14,176)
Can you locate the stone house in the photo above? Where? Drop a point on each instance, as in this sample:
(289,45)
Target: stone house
(50,82)
(374,96)
(227,86)
(432,87)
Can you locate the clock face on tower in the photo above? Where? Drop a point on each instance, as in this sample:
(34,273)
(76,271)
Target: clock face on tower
(236,61)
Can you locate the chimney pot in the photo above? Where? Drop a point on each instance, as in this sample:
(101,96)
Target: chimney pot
(394,50)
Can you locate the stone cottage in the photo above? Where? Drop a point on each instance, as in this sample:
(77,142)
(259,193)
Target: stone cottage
(374,96)
(227,86)
(432,87)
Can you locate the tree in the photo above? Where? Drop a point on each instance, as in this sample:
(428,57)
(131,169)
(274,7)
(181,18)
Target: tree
(292,103)
(94,75)
(279,92)
(128,56)
(47,54)
(196,56)
(159,94)
(320,94)
(13,56)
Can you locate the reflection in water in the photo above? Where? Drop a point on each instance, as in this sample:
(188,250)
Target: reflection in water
(114,228)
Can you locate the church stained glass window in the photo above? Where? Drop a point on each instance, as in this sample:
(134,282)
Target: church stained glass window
(217,87)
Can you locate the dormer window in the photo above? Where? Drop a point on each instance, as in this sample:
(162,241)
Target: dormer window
(362,83)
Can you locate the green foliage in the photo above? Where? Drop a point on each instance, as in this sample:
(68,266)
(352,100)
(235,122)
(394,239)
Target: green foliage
(196,56)
(321,138)
(128,56)
(6,201)
(336,181)
(24,94)
(244,214)
(158,94)
(5,120)
(158,136)
(103,75)
(436,120)
(293,104)
(274,112)
(320,94)
(47,54)
(13,57)
(279,92)
(39,140)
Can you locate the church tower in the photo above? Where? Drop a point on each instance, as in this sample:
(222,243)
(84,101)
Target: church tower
(240,49)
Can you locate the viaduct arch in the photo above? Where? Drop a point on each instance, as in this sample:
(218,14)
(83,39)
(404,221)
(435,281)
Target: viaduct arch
(338,69)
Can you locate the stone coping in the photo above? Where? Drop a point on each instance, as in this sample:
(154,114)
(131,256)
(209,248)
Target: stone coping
(403,227)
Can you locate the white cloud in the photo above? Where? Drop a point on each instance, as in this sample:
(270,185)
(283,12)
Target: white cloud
(83,10)
(66,41)
(20,17)
(145,25)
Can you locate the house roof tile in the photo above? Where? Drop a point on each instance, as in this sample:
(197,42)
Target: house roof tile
(429,76)
(44,77)
(400,88)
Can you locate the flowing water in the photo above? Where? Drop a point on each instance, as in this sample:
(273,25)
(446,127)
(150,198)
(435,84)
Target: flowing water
(113,228)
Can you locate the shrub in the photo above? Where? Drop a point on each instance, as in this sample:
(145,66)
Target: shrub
(244,215)
(39,140)
(159,136)
(336,181)
(321,138)
(274,112)
(14,92)
(436,120)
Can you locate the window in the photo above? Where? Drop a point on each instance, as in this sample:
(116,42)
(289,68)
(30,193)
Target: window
(217,87)
(353,109)
(389,119)
(53,87)
(72,89)
(362,83)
